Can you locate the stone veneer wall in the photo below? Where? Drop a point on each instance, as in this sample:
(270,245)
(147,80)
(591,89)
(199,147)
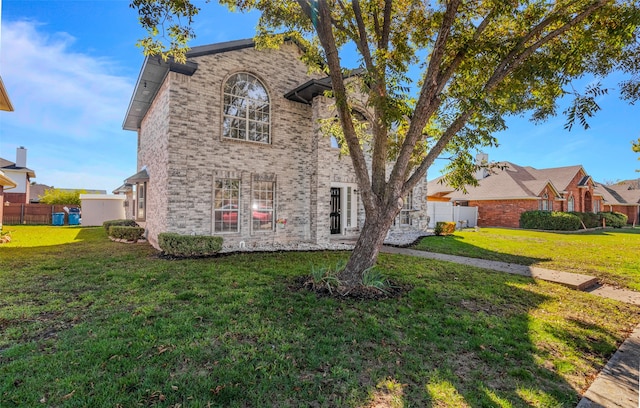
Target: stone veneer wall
(198,154)
(153,153)
(181,145)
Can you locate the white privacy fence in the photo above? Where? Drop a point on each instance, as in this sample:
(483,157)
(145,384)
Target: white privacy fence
(447,212)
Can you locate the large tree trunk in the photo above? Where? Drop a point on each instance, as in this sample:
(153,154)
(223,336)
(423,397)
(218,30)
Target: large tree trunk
(365,253)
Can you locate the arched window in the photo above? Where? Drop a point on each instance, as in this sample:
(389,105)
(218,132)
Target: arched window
(544,204)
(246,109)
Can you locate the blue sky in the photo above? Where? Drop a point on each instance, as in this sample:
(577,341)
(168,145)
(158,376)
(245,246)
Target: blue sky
(70,68)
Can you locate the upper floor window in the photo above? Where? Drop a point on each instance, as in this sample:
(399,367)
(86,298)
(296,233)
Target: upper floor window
(246,109)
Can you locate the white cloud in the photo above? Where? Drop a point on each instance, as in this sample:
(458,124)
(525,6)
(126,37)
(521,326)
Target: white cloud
(69,108)
(56,90)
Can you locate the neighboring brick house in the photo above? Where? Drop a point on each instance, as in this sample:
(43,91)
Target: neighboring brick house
(230,143)
(622,197)
(19,173)
(509,190)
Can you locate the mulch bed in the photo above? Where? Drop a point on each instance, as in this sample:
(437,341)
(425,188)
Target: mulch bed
(393,291)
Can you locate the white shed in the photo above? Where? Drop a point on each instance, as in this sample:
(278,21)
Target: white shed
(98,208)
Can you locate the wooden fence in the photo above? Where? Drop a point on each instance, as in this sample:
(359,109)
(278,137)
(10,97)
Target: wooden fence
(31,214)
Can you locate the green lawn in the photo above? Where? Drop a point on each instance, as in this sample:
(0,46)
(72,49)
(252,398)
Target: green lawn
(613,255)
(90,322)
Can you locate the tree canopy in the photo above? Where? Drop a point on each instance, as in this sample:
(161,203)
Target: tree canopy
(57,196)
(477,62)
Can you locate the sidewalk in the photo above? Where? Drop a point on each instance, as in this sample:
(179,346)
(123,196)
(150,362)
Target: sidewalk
(617,385)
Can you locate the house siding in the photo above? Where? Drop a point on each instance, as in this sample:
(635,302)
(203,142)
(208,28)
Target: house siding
(630,211)
(153,145)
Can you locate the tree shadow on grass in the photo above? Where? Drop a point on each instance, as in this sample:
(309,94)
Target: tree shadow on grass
(229,331)
(456,245)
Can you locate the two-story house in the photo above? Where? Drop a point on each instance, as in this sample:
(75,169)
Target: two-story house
(231,143)
(20,174)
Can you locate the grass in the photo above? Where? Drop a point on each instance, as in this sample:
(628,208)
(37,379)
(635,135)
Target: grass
(96,323)
(611,254)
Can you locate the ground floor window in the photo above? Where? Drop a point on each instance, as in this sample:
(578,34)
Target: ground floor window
(141,211)
(262,205)
(545,204)
(226,205)
(407,209)
(571,205)
(596,206)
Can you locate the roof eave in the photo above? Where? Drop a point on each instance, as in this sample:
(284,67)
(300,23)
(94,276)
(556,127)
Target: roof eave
(152,74)
(6,182)
(5,102)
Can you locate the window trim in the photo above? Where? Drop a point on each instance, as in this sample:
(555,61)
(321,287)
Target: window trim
(255,205)
(141,200)
(246,118)
(221,210)
(571,204)
(407,209)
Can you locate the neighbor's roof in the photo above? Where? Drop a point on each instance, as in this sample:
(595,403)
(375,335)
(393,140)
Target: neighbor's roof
(512,182)
(619,194)
(125,188)
(142,175)
(9,165)
(6,181)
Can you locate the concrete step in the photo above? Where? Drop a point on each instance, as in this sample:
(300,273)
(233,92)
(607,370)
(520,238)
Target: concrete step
(574,281)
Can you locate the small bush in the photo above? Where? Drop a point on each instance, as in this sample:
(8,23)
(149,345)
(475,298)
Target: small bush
(590,220)
(126,232)
(118,223)
(326,277)
(549,220)
(613,219)
(445,228)
(189,245)
(373,278)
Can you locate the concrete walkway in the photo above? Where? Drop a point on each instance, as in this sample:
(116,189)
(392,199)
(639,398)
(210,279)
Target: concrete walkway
(617,385)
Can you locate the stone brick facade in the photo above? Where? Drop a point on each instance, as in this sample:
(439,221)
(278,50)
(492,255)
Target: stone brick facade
(180,144)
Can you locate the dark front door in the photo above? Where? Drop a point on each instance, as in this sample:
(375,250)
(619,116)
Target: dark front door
(334,215)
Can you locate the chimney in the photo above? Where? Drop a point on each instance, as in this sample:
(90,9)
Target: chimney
(482,159)
(21,157)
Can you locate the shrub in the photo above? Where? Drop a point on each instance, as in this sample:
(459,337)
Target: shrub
(590,220)
(445,228)
(118,223)
(549,220)
(126,232)
(613,219)
(326,277)
(373,278)
(189,245)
